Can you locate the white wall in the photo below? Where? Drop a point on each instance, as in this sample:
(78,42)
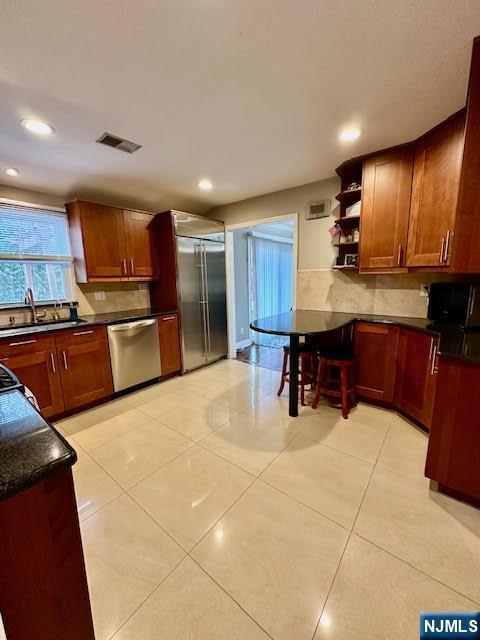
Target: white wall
(314,242)
(240,258)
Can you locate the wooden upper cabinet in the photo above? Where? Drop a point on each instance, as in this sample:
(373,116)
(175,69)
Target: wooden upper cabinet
(111,244)
(387,183)
(139,244)
(376,347)
(436,177)
(416,375)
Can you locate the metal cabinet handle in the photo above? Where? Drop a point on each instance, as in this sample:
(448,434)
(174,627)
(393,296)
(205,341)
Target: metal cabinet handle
(447,244)
(207,308)
(65,363)
(165,318)
(83,333)
(17,344)
(52,359)
(124,267)
(132,266)
(399,255)
(442,249)
(432,342)
(472,302)
(433,368)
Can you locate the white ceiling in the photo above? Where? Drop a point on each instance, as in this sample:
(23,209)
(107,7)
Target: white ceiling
(251,93)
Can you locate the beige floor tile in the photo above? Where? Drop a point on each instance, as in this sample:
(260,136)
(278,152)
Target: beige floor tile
(329,481)
(188,605)
(375,596)
(162,404)
(71,441)
(248,443)
(111,428)
(188,495)
(88,418)
(239,396)
(93,487)
(361,435)
(276,558)
(133,456)
(143,396)
(127,555)
(2,630)
(199,418)
(405,449)
(438,535)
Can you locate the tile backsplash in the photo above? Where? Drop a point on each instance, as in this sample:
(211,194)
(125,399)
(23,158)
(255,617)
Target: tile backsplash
(120,296)
(391,295)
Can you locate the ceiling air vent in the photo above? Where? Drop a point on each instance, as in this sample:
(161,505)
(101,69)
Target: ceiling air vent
(118,143)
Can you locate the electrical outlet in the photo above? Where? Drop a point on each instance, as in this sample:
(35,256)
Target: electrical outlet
(99,295)
(424,290)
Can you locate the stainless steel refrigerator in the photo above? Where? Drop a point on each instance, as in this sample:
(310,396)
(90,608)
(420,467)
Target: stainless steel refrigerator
(200,244)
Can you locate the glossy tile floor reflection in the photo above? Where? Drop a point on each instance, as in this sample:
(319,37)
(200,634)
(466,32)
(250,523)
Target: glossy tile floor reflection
(208,513)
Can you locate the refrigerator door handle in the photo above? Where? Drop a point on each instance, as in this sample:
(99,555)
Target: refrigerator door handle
(207,306)
(203,301)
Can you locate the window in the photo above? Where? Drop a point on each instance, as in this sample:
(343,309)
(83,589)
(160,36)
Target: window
(34,252)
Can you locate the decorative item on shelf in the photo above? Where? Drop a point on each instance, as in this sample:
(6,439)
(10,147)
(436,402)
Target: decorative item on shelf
(352,186)
(354,209)
(351,259)
(356,235)
(334,230)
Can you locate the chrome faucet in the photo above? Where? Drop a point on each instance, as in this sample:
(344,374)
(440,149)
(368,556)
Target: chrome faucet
(29,299)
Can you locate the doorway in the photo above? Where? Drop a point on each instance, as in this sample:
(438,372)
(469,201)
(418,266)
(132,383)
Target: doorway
(261,281)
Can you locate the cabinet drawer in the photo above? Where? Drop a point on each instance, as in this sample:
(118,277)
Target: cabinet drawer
(80,335)
(169,344)
(25,344)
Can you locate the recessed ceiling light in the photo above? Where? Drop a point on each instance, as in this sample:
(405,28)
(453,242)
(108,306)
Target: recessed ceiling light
(205,184)
(39,127)
(11,171)
(347,135)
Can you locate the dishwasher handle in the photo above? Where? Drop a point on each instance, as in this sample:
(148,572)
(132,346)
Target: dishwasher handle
(132,325)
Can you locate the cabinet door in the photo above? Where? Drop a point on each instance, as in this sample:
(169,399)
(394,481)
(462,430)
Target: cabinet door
(453,457)
(436,177)
(85,366)
(415,383)
(376,348)
(169,344)
(139,244)
(103,241)
(386,189)
(34,361)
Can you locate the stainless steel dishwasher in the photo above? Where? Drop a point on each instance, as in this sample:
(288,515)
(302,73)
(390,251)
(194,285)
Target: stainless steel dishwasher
(134,352)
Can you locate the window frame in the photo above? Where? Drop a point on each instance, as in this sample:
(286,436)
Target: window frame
(70,282)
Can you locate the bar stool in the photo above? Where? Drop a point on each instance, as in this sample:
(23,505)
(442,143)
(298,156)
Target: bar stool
(305,373)
(342,386)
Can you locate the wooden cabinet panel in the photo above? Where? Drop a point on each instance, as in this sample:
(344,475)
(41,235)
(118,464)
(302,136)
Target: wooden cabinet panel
(436,177)
(386,189)
(139,244)
(453,457)
(85,366)
(376,353)
(169,344)
(34,361)
(415,379)
(103,241)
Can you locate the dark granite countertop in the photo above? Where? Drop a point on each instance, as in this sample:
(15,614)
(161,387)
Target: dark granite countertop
(113,317)
(454,341)
(30,448)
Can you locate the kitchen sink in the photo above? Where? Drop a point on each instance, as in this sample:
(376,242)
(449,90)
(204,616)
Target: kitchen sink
(40,327)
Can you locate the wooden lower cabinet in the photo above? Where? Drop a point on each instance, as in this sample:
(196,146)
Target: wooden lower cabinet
(415,376)
(453,457)
(169,344)
(34,361)
(84,365)
(376,347)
